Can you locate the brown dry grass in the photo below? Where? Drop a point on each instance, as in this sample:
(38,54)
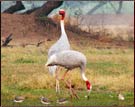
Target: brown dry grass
(112,69)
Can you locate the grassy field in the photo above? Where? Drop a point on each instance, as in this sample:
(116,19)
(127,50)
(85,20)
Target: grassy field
(111,71)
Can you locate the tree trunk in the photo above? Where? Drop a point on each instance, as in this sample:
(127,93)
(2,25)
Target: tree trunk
(43,10)
(31,10)
(47,8)
(120,7)
(18,6)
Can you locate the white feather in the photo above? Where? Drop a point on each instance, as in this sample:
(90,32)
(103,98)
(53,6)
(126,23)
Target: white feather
(52,70)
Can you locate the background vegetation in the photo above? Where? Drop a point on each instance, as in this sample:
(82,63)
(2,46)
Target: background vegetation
(102,30)
(111,71)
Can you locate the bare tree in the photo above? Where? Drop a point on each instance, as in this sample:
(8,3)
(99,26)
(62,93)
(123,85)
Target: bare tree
(18,6)
(101,3)
(7,40)
(77,15)
(120,7)
(31,10)
(118,11)
(47,8)
(43,10)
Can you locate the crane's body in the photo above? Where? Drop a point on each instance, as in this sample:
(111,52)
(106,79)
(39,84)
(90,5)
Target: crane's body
(70,59)
(61,44)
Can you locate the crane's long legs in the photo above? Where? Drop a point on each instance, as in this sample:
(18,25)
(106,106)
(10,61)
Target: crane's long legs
(64,75)
(57,86)
(72,92)
(57,80)
(68,83)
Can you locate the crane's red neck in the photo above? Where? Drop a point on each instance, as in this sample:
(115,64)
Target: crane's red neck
(62,13)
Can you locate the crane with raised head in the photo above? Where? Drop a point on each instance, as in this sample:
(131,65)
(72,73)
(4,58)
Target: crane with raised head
(70,59)
(60,45)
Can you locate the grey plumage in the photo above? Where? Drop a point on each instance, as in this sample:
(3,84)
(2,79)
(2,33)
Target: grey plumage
(60,45)
(69,59)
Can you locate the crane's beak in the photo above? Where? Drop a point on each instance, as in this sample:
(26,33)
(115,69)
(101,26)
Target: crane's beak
(89,92)
(88,95)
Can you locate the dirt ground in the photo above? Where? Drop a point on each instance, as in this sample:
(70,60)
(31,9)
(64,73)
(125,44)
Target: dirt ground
(26,29)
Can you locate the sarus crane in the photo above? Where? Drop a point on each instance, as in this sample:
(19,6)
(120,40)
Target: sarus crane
(70,59)
(60,45)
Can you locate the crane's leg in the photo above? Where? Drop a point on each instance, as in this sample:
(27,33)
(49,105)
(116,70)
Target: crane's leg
(68,83)
(63,77)
(57,86)
(72,91)
(57,80)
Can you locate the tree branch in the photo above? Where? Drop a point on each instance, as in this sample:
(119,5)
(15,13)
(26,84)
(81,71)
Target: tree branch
(18,6)
(7,40)
(97,6)
(120,7)
(47,8)
(31,10)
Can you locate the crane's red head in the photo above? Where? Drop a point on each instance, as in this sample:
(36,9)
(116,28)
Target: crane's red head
(62,13)
(88,85)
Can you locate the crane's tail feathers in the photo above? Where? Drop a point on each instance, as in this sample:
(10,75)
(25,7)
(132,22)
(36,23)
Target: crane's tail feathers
(52,70)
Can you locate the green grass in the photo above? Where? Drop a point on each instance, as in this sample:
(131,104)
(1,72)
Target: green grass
(2,56)
(96,98)
(111,71)
(21,60)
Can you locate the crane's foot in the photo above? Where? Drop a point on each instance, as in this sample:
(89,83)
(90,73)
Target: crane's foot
(74,95)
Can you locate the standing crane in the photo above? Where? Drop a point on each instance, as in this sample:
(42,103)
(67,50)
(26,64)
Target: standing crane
(70,59)
(60,45)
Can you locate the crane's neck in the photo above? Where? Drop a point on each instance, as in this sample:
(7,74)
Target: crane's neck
(83,76)
(63,38)
(88,84)
(62,27)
